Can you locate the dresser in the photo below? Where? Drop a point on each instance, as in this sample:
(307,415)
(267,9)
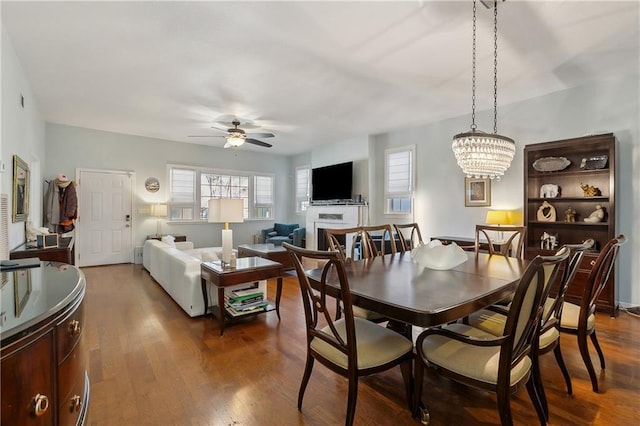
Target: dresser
(43,358)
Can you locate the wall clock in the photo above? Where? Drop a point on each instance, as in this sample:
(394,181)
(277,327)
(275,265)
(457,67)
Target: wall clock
(152,184)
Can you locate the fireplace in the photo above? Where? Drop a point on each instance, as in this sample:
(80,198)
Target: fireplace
(323,243)
(332,217)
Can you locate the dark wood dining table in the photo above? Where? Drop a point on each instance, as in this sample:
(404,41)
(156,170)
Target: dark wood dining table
(398,288)
(402,290)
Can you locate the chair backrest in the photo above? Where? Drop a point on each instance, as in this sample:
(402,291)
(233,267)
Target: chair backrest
(409,235)
(382,234)
(510,238)
(523,320)
(351,243)
(576,253)
(599,276)
(315,301)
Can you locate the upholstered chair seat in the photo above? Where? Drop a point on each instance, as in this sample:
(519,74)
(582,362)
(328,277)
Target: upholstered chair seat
(477,362)
(375,345)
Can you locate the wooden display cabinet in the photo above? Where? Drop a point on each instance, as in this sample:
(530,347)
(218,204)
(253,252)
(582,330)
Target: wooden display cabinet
(571,196)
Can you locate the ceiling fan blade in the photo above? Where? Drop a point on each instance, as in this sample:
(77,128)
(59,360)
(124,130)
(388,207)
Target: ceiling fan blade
(206,136)
(257,142)
(260,135)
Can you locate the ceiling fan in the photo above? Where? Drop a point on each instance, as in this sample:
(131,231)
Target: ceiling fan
(236,136)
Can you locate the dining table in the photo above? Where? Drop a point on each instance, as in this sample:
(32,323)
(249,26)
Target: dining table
(399,288)
(408,293)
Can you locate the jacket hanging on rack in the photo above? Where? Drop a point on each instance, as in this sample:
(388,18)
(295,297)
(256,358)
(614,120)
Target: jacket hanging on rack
(68,201)
(52,206)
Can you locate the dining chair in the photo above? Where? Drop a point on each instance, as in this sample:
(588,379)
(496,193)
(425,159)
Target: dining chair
(360,248)
(493,318)
(351,243)
(501,364)
(409,236)
(580,320)
(511,244)
(350,346)
(382,236)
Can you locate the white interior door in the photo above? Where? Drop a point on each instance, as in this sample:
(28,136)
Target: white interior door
(104,224)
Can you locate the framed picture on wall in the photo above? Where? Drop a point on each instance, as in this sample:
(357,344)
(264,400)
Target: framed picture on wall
(477,192)
(20,190)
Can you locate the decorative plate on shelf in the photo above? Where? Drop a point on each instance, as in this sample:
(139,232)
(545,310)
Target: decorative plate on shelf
(597,162)
(551,164)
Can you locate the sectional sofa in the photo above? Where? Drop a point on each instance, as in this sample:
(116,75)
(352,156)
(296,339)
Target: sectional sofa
(176,267)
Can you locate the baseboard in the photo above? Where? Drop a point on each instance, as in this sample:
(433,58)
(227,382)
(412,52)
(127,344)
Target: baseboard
(633,310)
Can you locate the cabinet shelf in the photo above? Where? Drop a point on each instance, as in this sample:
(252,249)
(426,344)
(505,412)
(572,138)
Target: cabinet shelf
(568,199)
(560,223)
(572,196)
(569,173)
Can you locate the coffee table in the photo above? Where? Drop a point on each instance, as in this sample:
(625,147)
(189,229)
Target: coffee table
(248,269)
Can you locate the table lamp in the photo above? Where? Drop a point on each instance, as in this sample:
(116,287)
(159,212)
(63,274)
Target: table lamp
(499,217)
(159,211)
(226,210)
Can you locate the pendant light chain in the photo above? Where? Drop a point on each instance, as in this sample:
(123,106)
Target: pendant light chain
(480,154)
(495,66)
(473,73)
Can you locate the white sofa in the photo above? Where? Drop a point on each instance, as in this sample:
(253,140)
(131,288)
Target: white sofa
(177,270)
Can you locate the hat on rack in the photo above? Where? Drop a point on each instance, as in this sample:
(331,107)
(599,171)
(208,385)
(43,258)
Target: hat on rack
(62,180)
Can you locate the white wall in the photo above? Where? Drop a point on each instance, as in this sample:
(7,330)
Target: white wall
(603,106)
(22,134)
(71,147)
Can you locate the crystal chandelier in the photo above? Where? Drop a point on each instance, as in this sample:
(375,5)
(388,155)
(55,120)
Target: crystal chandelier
(480,154)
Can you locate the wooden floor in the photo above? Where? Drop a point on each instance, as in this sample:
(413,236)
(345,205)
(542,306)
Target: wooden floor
(150,364)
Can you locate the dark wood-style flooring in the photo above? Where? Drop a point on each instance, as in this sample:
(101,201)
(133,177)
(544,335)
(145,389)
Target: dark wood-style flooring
(150,364)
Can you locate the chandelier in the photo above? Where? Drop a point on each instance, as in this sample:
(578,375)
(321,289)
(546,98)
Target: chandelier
(480,154)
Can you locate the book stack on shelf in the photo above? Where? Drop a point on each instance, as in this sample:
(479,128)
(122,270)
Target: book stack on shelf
(246,301)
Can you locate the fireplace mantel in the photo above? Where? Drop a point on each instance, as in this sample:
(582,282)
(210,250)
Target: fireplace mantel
(333,217)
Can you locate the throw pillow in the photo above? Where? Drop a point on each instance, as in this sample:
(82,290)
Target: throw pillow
(169,240)
(208,256)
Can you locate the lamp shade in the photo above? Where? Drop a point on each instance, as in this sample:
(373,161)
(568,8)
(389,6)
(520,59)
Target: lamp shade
(159,210)
(498,217)
(226,210)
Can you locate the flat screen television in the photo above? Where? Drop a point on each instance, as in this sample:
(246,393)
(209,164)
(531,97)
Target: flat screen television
(332,183)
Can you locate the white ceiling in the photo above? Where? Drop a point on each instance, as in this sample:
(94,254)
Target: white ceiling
(310,72)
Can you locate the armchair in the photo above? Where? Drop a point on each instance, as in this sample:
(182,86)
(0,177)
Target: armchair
(290,233)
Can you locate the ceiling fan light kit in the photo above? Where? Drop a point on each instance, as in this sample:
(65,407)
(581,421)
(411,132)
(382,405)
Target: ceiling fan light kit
(480,154)
(236,137)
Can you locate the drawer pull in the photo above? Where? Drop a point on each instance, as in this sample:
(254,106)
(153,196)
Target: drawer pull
(41,404)
(76,403)
(74,327)
(593,262)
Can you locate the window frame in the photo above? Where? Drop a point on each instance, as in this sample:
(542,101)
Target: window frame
(250,206)
(300,201)
(400,196)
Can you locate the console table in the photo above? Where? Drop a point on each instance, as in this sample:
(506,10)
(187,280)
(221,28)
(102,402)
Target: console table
(44,360)
(468,243)
(64,252)
(177,238)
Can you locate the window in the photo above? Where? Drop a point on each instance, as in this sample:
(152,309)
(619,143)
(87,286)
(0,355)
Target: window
(191,188)
(302,188)
(399,180)
(263,203)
